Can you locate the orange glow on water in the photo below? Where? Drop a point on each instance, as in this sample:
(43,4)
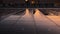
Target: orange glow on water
(27,12)
(56,19)
(28,16)
(37,14)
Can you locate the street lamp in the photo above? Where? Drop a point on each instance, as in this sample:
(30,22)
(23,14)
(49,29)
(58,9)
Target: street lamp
(26,0)
(33,2)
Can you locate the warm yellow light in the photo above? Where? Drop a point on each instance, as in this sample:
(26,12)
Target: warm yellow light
(37,14)
(26,0)
(33,2)
(27,11)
